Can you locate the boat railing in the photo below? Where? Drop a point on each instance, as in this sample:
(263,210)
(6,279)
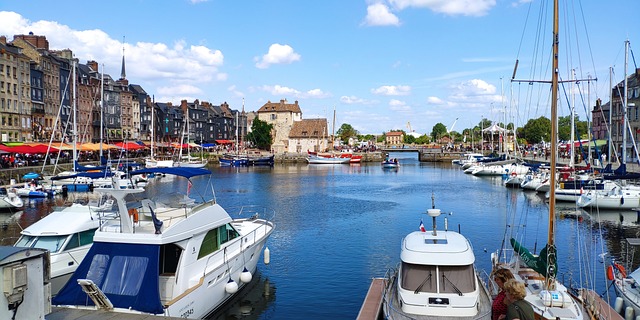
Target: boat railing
(233,248)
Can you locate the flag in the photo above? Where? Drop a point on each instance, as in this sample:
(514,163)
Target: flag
(422,227)
(189,184)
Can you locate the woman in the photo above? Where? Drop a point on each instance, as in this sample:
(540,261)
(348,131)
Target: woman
(517,309)
(499,307)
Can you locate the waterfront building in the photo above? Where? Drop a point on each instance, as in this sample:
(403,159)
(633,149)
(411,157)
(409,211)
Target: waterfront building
(281,115)
(15,101)
(144,102)
(394,138)
(308,135)
(88,104)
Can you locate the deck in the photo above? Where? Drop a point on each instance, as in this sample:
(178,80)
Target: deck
(372,304)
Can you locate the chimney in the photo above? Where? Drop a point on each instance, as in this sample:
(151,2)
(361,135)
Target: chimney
(3,40)
(183,105)
(637,72)
(93,65)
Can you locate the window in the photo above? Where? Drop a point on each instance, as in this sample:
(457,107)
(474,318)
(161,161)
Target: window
(209,243)
(274,116)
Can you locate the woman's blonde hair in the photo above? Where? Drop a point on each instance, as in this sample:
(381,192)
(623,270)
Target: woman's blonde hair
(503,274)
(515,289)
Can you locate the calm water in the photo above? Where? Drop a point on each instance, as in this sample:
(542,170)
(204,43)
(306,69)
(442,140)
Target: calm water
(339,226)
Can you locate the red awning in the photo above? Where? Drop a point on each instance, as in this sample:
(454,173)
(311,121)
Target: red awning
(128,145)
(224,141)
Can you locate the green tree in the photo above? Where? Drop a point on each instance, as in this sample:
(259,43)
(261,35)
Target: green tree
(537,130)
(260,134)
(423,139)
(564,128)
(345,132)
(409,139)
(438,131)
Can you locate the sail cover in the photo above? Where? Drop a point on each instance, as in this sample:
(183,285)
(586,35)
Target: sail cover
(126,273)
(537,263)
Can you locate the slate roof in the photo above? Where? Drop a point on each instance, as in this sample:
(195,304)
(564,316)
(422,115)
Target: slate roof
(280,106)
(309,128)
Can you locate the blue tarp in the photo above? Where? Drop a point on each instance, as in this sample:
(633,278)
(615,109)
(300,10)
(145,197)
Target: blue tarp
(208,145)
(79,167)
(126,273)
(178,171)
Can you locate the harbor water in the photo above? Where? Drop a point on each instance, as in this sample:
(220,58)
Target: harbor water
(339,226)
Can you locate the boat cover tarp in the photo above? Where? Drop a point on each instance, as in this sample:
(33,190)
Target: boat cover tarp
(79,167)
(92,175)
(126,273)
(178,171)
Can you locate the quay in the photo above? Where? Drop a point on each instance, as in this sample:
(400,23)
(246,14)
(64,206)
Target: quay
(372,306)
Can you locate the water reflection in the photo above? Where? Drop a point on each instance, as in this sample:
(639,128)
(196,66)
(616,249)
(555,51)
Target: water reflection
(250,302)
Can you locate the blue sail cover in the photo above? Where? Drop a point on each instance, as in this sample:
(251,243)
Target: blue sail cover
(80,168)
(178,171)
(126,273)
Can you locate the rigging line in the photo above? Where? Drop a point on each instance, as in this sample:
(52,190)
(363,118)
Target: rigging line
(586,32)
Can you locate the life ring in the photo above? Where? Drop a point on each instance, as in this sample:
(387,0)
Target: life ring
(620,269)
(513,174)
(133,212)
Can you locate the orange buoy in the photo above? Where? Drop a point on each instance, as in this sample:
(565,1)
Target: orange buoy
(610,276)
(621,269)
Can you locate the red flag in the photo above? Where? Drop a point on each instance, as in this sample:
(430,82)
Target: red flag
(189,184)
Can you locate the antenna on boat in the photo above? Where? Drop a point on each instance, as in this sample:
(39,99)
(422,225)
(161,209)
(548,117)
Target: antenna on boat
(433,213)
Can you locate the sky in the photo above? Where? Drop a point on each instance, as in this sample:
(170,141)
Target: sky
(381,65)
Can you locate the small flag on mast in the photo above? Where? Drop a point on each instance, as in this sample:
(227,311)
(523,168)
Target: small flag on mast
(422,226)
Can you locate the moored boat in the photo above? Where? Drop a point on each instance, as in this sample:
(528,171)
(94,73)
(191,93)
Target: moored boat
(179,260)
(436,278)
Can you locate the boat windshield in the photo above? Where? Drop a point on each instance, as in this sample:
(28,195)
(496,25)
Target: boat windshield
(51,243)
(441,279)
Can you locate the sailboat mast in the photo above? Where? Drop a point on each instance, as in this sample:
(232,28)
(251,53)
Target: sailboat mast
(153,107)
(333,126)
(624,105)
(75,114)
(101,107)
(610,110)
(550,279)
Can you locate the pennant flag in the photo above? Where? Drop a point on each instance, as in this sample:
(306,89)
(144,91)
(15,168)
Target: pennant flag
(422,227)
(189,184)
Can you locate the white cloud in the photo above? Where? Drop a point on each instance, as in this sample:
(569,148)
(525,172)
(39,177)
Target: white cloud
(399,106)
(278,90)
(435,100)
(278,54)
(392,90)
(378,14)
(186,67)
(355,100)
(449,7)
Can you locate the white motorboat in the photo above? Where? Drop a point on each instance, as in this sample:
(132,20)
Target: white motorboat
(626,285)
(68,235)
(9,199)
(436,278)
(315,159)
(183,260)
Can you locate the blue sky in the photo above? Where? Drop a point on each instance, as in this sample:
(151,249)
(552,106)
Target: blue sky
(379,64)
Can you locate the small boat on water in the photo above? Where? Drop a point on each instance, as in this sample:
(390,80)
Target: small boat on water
(436,278)
(234,160)
(9,199)
(390,163)
(319,159)
(176,259)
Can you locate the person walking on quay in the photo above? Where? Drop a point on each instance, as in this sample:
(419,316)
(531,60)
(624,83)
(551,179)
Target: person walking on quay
(517,308)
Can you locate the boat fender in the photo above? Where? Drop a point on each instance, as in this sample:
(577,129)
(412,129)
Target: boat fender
(610,275)
(133,212)
(621,200)
(245,276)
(267,255)
(231,287)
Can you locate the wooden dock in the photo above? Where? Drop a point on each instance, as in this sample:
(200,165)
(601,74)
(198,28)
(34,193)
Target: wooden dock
(372,304)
